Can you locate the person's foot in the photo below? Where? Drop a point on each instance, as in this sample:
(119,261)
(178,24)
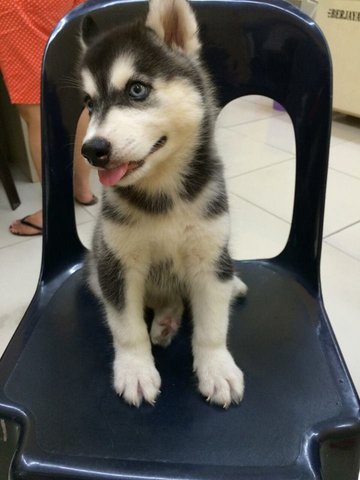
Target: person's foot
(87,200)
(85,197)
(28,226)
(31,225)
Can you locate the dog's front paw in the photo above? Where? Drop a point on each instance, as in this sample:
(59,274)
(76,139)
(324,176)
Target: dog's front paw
(220,380)
(136,378)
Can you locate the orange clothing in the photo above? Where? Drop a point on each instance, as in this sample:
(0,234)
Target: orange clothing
(25,26)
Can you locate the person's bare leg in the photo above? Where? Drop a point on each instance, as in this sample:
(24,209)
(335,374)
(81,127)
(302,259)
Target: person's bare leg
(31,116)
(82,188)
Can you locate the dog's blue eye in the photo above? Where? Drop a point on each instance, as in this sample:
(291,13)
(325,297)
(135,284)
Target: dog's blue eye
(138,91)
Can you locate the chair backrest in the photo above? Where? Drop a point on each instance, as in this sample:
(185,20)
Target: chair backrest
(251,47)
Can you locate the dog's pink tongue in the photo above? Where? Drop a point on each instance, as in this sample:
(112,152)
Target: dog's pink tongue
(111,177)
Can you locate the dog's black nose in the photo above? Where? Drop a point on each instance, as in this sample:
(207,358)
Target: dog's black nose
(97,151)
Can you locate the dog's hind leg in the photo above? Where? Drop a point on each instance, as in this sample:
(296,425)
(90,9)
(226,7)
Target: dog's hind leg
(166,323)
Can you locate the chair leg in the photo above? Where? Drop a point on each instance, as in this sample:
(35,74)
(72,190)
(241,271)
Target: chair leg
(8,183)
(340,459)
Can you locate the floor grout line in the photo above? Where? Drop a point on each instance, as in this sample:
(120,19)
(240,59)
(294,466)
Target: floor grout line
(329,235)
(342,251)
(19,242)
(93,215)
(344,173)
(25,239)
(82,221)
(277,114)
(283,150)
(260,168)
(261,208)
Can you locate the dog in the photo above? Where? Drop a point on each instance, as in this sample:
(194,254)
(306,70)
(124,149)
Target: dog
(163,230)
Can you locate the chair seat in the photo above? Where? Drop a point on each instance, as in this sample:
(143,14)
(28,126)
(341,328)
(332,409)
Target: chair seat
(279,336)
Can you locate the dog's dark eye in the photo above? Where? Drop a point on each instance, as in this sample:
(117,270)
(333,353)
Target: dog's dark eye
(89,104)
(138,91)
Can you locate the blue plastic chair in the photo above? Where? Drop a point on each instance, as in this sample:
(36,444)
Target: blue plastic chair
(300,415)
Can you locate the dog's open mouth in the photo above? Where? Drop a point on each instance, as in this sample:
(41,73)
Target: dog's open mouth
(109,177)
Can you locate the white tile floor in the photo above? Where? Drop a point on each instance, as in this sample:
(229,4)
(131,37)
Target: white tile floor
(261,184)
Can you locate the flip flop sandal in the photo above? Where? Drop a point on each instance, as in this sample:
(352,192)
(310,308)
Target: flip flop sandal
(23,221)
(93,201)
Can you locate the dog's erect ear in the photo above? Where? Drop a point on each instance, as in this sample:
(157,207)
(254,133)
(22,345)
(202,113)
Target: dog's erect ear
(175,23)
(89,31)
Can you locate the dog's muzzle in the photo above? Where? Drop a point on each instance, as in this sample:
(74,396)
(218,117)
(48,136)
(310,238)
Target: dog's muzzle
(97,151)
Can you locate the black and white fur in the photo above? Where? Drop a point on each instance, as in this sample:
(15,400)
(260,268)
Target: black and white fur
(163,231)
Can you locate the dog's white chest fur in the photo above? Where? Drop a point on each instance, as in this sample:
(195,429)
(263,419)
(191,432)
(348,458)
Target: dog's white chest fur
(181,236)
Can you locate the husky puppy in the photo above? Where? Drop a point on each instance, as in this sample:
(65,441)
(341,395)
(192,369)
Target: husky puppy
(163,231)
